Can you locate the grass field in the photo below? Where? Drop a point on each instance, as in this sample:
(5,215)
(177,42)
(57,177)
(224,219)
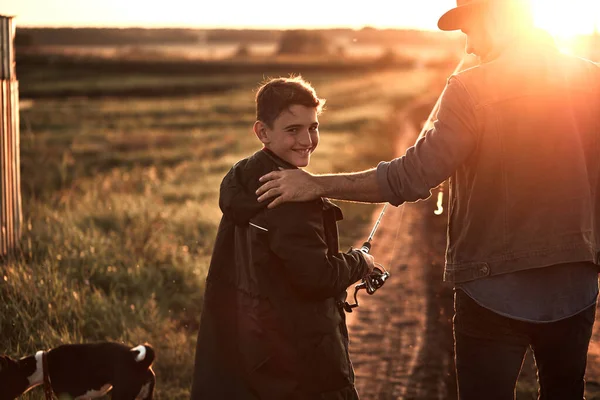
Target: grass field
(121,203)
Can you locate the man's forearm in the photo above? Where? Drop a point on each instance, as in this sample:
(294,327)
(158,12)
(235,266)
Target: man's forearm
(358,186)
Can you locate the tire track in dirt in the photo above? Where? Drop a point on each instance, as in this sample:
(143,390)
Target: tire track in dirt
(401,337)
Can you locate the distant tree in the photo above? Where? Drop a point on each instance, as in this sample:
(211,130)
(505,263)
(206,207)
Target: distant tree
(389,56)
(339,50)
(302,42)
(242,51)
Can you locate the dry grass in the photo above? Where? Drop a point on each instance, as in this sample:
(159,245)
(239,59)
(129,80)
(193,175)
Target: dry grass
(120,209)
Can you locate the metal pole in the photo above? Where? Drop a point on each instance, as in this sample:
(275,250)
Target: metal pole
(10,183)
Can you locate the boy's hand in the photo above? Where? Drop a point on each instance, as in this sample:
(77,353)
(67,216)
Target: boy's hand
(288,185)
(370,261)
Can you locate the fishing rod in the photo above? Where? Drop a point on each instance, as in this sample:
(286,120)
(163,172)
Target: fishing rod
(378,276)
(366,247)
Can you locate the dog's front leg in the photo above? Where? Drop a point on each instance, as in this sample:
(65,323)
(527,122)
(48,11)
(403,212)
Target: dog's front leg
(147,390)
(140,387)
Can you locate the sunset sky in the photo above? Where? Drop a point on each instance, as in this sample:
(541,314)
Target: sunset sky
(559,16)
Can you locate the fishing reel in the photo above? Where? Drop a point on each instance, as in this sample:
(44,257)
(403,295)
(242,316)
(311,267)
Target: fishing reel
(373,281)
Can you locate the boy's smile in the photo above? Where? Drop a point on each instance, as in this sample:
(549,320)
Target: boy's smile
(293,136)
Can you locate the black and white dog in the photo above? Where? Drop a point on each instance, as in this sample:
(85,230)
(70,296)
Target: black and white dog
(82,371)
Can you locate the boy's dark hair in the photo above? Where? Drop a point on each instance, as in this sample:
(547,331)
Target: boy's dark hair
(278,94)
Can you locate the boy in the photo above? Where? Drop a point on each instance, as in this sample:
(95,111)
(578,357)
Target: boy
(272,325)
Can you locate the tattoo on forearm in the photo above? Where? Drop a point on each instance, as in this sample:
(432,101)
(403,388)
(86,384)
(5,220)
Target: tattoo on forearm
(361,186)
(353,178)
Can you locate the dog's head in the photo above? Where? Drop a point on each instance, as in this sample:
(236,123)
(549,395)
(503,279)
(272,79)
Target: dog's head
(13,379)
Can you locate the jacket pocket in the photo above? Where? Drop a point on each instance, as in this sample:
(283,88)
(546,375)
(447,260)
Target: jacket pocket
(252,340)
(325,363)
(266,358)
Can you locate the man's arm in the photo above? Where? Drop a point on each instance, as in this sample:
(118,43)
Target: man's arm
(433,159)
(299,185)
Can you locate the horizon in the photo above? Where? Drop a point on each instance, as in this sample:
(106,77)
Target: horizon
(560,17)
(234,28)
(265,14)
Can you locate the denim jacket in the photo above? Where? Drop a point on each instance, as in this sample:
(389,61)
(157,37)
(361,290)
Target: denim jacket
(519,139)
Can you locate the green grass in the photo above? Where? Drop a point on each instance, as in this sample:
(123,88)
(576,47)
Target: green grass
(121,209)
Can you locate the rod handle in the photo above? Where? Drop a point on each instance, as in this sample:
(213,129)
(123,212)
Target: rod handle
(366,247)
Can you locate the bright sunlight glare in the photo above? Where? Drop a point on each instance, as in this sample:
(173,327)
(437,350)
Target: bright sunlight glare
(567,18)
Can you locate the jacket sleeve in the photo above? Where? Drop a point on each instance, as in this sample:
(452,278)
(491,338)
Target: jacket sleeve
(437,155)
(296,236)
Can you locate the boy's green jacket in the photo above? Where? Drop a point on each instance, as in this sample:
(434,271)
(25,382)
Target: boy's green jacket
(272,326)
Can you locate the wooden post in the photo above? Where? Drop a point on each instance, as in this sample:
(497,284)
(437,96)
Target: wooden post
(11,216)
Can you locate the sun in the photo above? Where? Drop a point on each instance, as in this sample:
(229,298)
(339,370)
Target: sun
(567,18)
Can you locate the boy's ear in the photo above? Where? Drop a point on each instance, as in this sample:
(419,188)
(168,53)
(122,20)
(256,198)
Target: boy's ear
(260,130)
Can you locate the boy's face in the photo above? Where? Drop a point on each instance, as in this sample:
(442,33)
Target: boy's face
(294,135)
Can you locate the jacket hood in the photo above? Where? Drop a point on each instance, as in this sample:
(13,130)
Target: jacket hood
(238,199)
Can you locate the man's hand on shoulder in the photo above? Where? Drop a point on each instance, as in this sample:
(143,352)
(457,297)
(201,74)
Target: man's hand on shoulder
(288,186)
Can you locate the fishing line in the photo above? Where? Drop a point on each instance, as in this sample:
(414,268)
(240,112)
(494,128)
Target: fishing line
(400,219)
(379,275)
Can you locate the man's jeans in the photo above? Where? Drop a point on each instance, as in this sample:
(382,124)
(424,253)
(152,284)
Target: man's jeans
(489,352)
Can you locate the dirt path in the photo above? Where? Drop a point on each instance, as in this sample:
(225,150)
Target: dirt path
(401,337)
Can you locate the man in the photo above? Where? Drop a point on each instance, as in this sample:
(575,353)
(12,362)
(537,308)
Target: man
(519,138)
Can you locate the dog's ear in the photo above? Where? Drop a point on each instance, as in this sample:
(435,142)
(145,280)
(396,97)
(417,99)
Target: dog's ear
(3,363)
